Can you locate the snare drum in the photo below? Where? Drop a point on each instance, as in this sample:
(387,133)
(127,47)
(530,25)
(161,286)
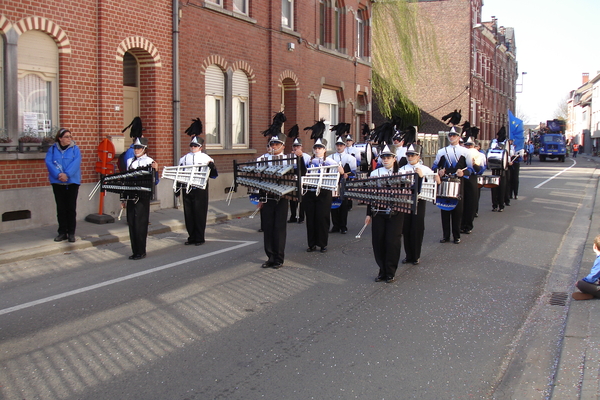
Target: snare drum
(449,188)
(497,159)
(491,181)
(480,181)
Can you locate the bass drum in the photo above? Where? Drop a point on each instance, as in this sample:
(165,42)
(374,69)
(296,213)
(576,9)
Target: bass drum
(497,159)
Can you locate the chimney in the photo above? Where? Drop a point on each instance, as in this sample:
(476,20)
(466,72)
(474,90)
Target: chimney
(585,78)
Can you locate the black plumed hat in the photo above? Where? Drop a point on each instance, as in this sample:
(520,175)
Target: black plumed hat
(195,129)
(275,128)
(136,128)
(317,129)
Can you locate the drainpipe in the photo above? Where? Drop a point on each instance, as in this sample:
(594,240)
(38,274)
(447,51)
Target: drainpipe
(176,94)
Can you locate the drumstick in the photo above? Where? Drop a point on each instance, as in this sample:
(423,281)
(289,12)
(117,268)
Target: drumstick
(362,230)
(254,213)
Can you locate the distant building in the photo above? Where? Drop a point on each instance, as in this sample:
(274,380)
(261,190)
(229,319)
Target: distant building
(477,71)
(579,110)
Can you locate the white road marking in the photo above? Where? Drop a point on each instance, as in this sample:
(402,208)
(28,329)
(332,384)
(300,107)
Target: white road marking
(549,179)
(125,278)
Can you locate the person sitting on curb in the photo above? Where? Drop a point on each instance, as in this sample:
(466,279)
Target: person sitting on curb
(589,285)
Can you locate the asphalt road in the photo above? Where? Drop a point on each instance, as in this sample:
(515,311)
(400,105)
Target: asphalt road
(472,321)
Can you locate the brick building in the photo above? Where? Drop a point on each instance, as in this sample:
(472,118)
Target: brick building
(476,72)
(241,62)
(92,66)
(89,66)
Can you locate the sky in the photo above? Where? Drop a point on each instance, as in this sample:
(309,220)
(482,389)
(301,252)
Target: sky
(556,42)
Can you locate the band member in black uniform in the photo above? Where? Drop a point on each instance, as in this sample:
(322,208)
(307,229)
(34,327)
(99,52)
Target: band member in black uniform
(386,231)
(273,213)
(451,160)
(339,216)
(499,192)
(318,207)
(297,208)
(470,190)
(414,224)
(138,210)
(195,203)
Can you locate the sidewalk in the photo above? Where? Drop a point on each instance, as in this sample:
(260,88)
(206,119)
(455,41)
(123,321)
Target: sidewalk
(32,243)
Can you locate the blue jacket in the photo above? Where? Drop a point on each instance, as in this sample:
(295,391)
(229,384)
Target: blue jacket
(67,161)
(594,274)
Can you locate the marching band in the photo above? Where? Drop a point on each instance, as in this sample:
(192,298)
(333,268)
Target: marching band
(395,191)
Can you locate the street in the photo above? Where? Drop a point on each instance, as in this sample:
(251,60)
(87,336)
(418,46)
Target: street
(471,321)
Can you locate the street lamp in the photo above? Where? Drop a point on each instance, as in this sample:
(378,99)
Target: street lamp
(520,90)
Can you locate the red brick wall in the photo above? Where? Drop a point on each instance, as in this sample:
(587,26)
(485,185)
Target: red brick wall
(263,46)
(90,77)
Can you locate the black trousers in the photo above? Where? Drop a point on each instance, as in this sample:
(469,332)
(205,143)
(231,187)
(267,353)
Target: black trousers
(471,201)
(589,288)
(452,220)
(339,216)
(507,186)
(413,231)
(514,179)
(273,222)
(138,216)
(295,212)
(317,210)
(499,192)
(65,197)
(386,238)
(195,209)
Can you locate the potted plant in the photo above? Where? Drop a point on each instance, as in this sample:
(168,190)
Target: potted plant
(5,143)
(47,141)
(29,143)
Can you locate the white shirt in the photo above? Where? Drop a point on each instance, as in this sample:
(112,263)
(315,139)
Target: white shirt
(344,158)
(195,158)
(135,163)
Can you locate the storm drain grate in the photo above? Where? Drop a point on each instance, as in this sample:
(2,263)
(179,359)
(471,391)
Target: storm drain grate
(558,299)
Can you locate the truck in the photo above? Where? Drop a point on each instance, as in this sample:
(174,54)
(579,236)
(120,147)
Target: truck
(552,143)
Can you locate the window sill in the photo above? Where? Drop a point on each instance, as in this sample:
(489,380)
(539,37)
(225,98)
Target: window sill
(222,152)
(290,31)
(21,156)
(230,13)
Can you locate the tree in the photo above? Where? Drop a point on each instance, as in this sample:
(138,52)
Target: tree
(562,108)
(399,41)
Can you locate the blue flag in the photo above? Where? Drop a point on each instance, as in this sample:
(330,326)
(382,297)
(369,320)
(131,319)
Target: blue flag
(515,131)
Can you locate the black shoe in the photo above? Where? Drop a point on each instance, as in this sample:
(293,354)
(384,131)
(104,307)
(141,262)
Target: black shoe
(199,243)
(267,264)
(61,237)
(323,249)
(334,230)
(277,265)
(444,240)
(292,220)
(467,231)
(260,230)
(417,262)
(476,215)
(507,204)
(188,243)
(405,261)
(139,256)
(380,278)
(516,198)
(71,238)
(494,209)
(133,256)
(501,210)
(300,221)
(456,241)
(390,279)
(311,249)
(344,231)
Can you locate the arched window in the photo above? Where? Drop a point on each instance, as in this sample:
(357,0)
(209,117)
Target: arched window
(37,84)
(240,106)
(215,106)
